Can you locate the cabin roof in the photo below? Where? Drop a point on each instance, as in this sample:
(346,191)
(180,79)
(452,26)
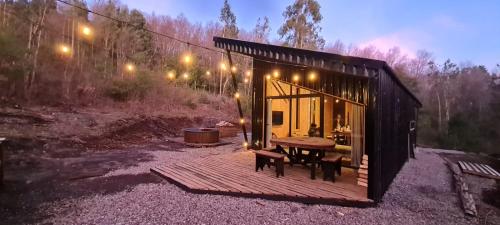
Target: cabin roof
(316,59)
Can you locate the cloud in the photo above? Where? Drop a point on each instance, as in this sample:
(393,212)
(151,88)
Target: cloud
(409,41)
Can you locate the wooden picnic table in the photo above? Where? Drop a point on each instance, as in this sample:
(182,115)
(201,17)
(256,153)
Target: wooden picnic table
(315,145)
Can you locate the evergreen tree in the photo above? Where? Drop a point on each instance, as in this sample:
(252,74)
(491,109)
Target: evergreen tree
(228,19)
(301,28)
(142,50)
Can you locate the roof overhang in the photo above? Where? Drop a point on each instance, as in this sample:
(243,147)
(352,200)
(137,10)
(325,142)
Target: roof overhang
(351,65)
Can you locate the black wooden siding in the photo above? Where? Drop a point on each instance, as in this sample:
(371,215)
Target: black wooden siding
(395,108)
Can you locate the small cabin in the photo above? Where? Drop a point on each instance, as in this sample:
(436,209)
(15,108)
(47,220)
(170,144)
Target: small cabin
(358,102)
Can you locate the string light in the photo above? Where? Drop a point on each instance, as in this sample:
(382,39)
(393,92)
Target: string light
(268,77)
(312,76)
(130,67)
(237,95)
(208,73)
(86,30)
(245,144)
(223,66)
(276,73)
(233,69)
(185,75)
(246,80)
(187,59)
(242,121)
(336,100)
(171,75)
(248,73)
(64,49)
(296,78)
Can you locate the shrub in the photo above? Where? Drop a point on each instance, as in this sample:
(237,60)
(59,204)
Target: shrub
(190,103)
(204,99)
(126,89)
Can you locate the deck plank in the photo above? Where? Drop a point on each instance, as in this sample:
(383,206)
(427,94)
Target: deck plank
(479,169)
(307,185)
(234,174)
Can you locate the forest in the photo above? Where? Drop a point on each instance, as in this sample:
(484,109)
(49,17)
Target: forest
(59,52)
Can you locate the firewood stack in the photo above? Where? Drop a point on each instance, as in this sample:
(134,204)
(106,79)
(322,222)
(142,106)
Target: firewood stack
(363,172)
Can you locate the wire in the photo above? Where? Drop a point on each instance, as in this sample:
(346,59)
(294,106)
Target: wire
(141,28)
(174,38)
(54,31)
(160,34)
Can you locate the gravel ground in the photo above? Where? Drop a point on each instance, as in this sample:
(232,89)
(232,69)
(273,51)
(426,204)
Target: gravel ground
(421,194)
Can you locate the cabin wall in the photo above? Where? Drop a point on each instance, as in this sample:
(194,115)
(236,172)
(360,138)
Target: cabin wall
(393,110)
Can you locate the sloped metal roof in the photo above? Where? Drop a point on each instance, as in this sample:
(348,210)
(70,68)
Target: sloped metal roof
(315,59)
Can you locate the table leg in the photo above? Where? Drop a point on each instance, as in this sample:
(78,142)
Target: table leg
(313,163)
(299,155)
(292,155)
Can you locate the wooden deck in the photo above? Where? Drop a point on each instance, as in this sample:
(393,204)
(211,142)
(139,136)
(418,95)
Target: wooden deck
(234,174)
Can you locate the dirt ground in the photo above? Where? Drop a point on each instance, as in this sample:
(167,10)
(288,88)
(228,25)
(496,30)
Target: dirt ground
(60,156)
(51,152)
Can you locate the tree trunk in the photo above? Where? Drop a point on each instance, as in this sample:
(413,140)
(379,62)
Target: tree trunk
(65,81)
(4,14)
(225,85)
(440,122)
(35,54)
(220,77)
(72,34)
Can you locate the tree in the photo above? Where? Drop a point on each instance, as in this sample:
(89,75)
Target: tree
(337,48)
(228,19)
(301,28)
(142,50)
(262,31)
(11,58)
(230,30)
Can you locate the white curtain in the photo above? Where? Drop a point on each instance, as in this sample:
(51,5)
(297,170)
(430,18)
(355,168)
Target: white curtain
(357,121)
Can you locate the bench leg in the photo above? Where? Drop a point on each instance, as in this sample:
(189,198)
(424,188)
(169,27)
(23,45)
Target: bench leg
(333,174)
(257,162)
(328,171)
(339,167)
(260,162)
(280,167)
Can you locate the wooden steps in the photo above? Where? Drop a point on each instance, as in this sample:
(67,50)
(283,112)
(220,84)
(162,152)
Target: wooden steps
(234,174)
(362,179)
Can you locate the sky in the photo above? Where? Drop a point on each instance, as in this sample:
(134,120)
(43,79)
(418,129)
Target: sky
(461,30)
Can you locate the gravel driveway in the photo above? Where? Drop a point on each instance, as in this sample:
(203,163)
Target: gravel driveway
(421,194)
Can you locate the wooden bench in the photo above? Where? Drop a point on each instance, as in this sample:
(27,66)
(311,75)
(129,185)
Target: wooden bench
(330,165)
(263,157)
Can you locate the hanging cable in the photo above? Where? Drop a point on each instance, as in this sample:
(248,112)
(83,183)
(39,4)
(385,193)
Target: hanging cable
(138,27)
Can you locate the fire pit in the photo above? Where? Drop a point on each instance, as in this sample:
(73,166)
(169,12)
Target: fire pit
(201,135)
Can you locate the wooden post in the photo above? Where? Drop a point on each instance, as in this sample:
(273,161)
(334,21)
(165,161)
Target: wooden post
(235,86)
